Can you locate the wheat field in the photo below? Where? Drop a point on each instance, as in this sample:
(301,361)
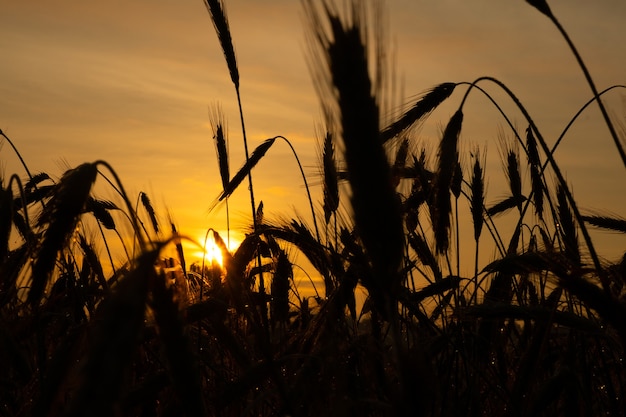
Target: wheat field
(421,296)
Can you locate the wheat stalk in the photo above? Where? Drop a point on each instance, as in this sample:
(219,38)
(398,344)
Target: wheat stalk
(374,202)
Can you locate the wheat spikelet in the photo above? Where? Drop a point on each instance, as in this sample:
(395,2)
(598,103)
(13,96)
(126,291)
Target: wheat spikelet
(534,162)
(219,135)
(613,223)
(39,194)
(256,156)
(446,165)
(94,263)
(331,185)
(259,214)
(423,252)
(220,22)
(100,210)
(60,218)
(514,177)
(567,227)
(505,204)
(35,180)
(422,108)
(300,236)
(147,205)
(180,252)
(435,288)
(477,198)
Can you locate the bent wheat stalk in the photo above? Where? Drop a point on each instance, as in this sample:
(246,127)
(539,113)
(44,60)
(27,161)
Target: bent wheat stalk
(543,7)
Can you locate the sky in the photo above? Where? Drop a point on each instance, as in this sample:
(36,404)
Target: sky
(132,82)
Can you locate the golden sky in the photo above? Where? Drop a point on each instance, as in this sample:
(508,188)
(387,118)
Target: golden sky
(131,82)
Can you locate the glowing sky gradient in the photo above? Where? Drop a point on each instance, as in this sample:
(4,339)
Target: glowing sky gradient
(131,82)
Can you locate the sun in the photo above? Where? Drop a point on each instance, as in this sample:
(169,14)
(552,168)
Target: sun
(212,253)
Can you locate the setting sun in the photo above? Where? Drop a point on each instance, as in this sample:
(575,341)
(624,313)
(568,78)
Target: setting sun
(212,253)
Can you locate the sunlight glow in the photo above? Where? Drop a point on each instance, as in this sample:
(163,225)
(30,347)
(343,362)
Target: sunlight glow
(212,253)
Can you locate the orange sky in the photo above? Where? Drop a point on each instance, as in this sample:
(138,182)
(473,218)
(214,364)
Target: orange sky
(131,82)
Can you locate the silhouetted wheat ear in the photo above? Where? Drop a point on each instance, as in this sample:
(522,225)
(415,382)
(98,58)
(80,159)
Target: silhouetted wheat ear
(331,185)
(179,250)
(567,227)
(59,219)
(374,202)
(100,210)
(477,198)
(446,164)
(536,181)
(218,125)
(514,176)
(504,205)
(254,159)
(147,205)
(259,213)
(613,223)
(94,262)
(218,15)
(422,108)
(425,255)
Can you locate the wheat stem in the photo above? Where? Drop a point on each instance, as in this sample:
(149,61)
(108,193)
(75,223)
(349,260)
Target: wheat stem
(592,85)
(306,185)
(561,180)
